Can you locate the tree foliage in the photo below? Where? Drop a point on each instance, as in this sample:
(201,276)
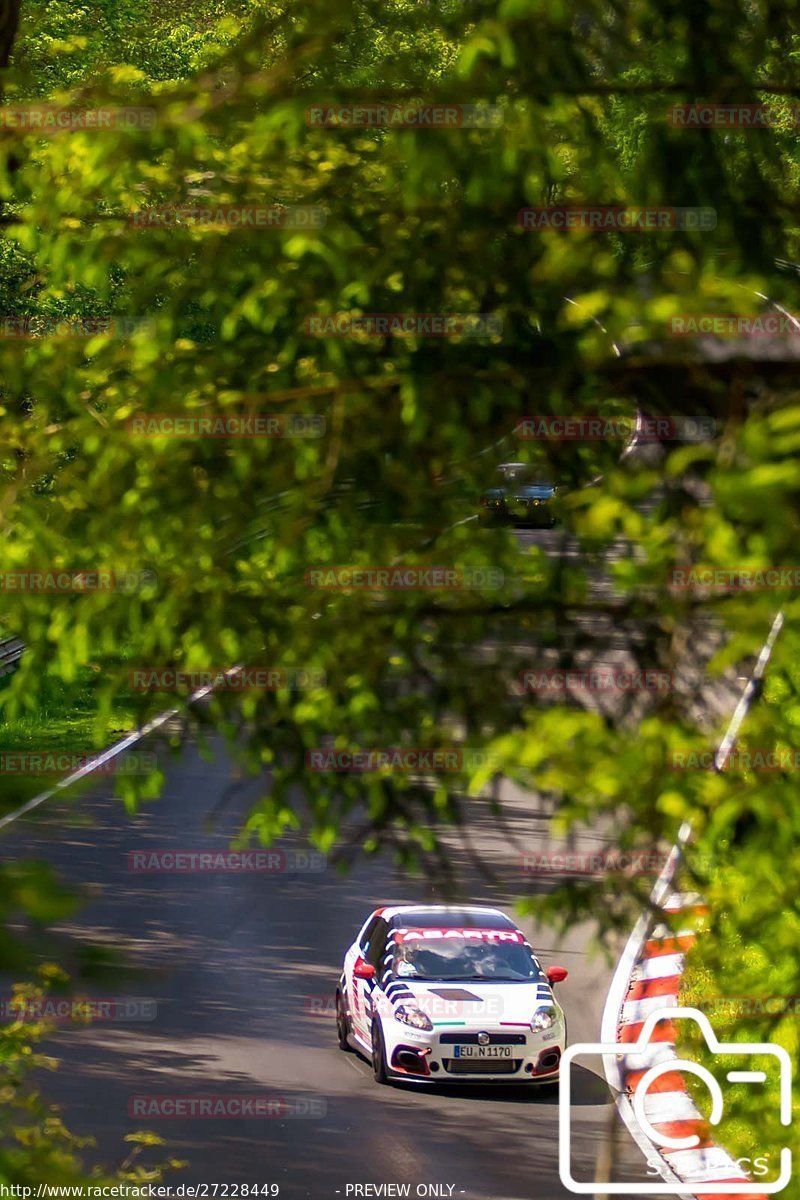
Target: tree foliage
(416,221)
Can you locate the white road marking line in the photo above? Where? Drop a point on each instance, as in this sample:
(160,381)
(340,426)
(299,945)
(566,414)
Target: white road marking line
(662,933)
(704,1166)
(663,966)
(670,1106)
(677,901)
(652,1056)
(634,1011)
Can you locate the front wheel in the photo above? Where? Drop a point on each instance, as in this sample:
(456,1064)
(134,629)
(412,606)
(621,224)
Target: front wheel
(342,1023)
(378,1053)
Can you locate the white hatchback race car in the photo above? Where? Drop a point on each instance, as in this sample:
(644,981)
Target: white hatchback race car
(439,994)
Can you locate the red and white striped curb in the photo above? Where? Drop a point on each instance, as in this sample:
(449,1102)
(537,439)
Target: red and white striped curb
(647,979)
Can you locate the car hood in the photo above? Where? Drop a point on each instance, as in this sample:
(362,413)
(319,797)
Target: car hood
(473,1003)
(522,491)
(534,491)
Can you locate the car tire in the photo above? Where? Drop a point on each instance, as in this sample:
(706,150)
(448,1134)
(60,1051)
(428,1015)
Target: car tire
(342,1022)
(378,1053)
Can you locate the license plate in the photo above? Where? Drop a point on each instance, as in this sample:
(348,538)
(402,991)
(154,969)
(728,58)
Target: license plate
(481,1052)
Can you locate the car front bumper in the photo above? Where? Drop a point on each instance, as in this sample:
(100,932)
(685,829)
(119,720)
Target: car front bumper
(430,1057)
(538,515)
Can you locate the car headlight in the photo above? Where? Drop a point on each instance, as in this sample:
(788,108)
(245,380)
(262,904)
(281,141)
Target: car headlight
(413,1016)
(544,1018)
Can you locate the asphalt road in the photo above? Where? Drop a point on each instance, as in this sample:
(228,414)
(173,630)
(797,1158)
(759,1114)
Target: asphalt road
(242,967)
(238,972)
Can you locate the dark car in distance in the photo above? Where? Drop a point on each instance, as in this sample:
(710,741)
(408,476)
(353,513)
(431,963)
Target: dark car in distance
(520,497)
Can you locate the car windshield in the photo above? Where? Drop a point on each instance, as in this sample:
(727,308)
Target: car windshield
(463,958)
(523,473)
(514,472)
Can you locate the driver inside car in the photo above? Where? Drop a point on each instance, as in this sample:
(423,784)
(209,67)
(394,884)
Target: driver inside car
(406,964)
(414,961)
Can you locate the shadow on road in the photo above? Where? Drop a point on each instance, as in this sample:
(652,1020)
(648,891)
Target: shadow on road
(587,1089)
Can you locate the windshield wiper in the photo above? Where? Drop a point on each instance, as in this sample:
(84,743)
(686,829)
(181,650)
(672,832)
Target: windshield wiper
(465,979)
(495,978)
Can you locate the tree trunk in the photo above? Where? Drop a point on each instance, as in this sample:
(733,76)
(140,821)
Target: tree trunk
(9,20)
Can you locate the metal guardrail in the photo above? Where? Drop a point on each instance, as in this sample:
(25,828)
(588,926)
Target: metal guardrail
(112,752)
(10,654)
(661,891)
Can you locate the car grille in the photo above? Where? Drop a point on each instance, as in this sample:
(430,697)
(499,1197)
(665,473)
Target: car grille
(481,1066)
(471,1039)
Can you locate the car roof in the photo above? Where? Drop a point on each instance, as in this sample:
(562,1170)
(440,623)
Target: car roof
(437,916)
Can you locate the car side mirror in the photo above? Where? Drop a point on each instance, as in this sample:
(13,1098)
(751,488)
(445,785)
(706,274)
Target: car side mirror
(363,970)
(556,974)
